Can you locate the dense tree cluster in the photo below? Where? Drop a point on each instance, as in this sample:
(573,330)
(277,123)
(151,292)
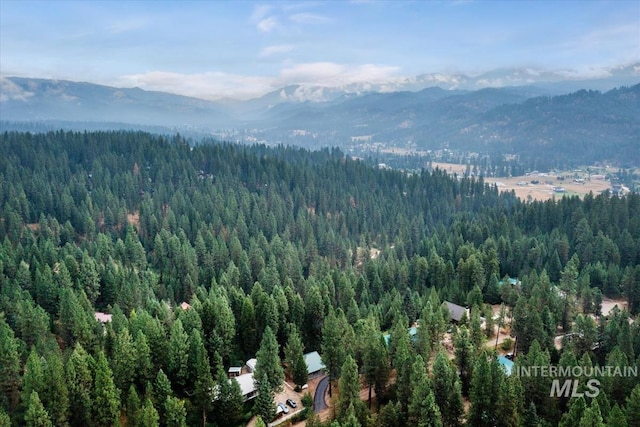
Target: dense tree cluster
(281,251)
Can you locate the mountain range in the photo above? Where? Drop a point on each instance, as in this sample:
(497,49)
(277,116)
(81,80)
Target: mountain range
(547,120)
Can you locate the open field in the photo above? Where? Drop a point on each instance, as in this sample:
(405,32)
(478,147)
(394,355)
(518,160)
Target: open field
(543,188)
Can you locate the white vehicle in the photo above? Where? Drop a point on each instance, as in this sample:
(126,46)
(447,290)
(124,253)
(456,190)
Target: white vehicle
(283,407)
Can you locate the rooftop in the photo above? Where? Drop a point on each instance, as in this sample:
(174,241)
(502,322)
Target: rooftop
(102,317)
(314,362)
(508,364)
(455,311)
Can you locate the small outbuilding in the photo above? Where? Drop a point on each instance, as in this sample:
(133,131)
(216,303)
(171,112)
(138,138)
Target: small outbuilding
(251,364)
(234,371)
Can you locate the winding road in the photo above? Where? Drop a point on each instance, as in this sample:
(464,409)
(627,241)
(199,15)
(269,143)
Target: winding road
(318,399)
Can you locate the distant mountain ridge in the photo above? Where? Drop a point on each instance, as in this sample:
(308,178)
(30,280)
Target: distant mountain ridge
(41,99)
(585,125)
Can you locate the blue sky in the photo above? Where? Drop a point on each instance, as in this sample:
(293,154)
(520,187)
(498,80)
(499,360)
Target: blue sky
(241,49)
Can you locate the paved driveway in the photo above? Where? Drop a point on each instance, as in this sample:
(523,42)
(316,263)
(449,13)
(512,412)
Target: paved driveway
(318,399)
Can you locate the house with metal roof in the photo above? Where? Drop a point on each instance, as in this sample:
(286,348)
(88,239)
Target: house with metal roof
(506,363)
(456,311)
(247,385)
(251,364)
(315,366)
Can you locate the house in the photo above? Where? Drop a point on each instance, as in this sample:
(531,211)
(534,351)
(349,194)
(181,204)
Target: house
(185,305)
(315,366)
(506,363)
(413,335)
(102,317)
(247,386)
(234,371)
(251,364)
(456,311)
(511,281)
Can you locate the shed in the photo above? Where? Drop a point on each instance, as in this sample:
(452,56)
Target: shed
(251,364)
(234,371)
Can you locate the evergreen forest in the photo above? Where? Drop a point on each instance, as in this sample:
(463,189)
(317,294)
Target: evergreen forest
(281,251)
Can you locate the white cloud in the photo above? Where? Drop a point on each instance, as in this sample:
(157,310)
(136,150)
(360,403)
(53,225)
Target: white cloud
(260,12)
(268,24)
(308,18)
(210,85)
(332,74)
(9,91)
(216,85)
(276,49)
(125,25)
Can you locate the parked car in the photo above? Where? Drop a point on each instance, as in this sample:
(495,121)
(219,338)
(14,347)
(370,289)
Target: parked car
(292,403)
(283,407)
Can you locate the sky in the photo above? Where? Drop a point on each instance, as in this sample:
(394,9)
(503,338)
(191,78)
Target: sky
(243,49)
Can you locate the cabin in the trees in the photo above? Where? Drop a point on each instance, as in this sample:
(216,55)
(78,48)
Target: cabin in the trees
(315,367)
(234,371)
(456,312)
(506,363)
(251,364)
(102,317)
(247,386)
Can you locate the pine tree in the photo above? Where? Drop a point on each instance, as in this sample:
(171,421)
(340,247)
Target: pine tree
(465,357)
(176,413)
(576,411)
(264,406)
(132,406)
(375,359)
(123,361)
(403,363)
(447,391)
(106,400)
(349,388)
(9,367)
(5,421)
(423,410)
(55,391)
(633,407)
(144,365)
(485,386)
(162,392)
(33,379)
(200,376)
(178,355)
(148,415)
(80,383)
(294,354)
(336,343)
(36,415)
(509,407)
(268,362)
(616,417)
(592,416)
(227,408)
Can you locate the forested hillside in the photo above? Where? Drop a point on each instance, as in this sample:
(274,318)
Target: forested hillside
(273,247)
